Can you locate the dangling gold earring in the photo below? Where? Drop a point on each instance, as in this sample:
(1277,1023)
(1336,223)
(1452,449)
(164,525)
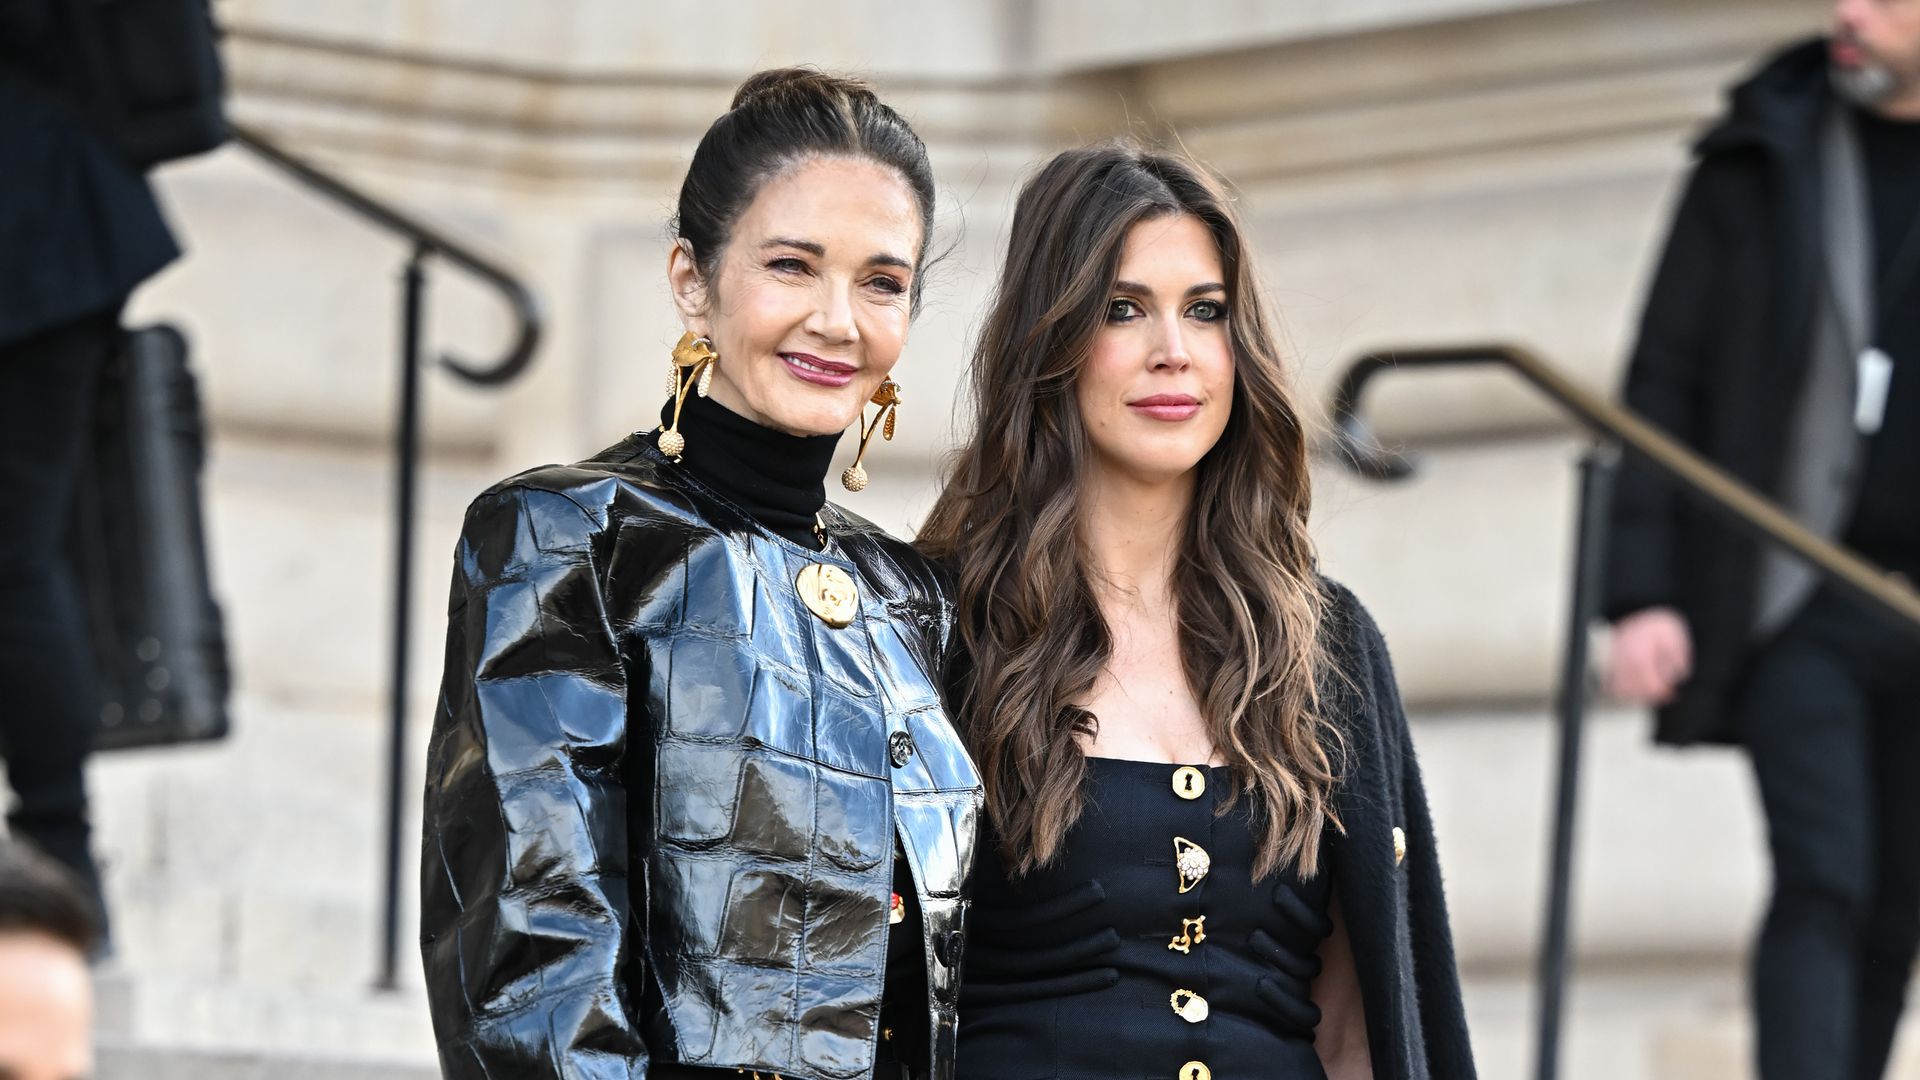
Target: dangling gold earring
(888,398)
(693,364)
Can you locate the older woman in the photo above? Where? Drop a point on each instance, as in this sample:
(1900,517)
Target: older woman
(693,804)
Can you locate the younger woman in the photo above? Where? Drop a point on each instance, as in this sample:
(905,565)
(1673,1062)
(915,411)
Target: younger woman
(1209,853)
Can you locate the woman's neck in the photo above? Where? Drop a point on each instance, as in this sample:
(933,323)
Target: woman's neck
(778,479)
(1132,531)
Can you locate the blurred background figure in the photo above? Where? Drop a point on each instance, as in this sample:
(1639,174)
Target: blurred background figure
(1782,338)
(46,997)
(79,230)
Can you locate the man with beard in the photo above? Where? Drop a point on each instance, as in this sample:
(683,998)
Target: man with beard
(1781,338)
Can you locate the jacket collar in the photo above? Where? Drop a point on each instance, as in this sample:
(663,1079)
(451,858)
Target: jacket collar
(1778,107)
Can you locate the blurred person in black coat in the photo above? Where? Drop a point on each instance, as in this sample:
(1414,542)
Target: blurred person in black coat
(79,230)
(1781,338)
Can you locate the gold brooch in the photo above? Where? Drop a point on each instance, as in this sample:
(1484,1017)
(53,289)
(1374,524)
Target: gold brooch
(829,592)
(1192,861)
(1192,932)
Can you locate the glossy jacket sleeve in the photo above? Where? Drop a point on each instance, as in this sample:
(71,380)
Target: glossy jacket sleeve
(525,901)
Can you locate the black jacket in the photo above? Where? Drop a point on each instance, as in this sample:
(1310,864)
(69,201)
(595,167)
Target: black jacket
(1394,906)
(662,796)
(1724,345)
(79,228)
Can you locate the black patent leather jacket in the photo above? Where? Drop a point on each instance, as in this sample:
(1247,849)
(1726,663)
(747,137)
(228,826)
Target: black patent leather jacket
(662,795)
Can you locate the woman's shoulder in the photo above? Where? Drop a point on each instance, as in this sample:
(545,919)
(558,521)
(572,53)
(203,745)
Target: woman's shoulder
(892,563)
(1348,628)
(1361,686)
(577,500)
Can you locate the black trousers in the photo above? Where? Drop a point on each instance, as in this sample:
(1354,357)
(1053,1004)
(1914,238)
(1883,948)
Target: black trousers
(1831,719)
(47,691)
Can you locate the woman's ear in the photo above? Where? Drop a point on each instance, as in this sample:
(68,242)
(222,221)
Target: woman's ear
(689,287)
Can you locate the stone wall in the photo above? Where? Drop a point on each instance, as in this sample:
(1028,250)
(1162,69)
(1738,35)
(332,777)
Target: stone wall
(1445,172)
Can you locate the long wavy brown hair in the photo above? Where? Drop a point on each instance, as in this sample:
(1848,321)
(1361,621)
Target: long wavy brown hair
(1008,526)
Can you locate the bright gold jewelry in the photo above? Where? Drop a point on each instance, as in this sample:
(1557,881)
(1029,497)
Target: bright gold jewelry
(829,592)
(888,398)
(693,364)
(1192,932)
(1189,783)
(1192,862)
(1190,1006)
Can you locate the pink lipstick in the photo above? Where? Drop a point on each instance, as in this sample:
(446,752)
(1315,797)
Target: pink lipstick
(1169,407)
(812,369)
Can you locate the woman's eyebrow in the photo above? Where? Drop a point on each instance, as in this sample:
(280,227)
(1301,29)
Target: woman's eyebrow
(819,251)
(808,246)
(1143,290)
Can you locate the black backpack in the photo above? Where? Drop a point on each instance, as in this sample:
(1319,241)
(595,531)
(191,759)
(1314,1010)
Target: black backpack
(152,69)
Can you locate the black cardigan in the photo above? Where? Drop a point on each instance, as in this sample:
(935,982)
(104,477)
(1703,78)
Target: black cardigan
(1395,909)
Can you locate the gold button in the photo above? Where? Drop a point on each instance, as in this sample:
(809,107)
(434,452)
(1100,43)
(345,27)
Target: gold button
(1189,782)
(1192,932)
(1195,1070)
(1399,845)
(1192,862)
(1189,1006)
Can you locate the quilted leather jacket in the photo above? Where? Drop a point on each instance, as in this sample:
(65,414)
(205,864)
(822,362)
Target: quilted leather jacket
(663,796)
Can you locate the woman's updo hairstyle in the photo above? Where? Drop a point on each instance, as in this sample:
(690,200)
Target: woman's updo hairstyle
(778,119)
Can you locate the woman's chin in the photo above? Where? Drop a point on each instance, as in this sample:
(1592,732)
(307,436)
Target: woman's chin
(804,418)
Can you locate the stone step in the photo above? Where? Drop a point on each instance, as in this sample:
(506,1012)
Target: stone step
(116,1061)
(173,1014)
(1669,857)
(1654,1019)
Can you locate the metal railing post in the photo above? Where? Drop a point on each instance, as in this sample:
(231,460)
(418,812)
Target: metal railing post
(413,296)
(1597,468)
(427,242)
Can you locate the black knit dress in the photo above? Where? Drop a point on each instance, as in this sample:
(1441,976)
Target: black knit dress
(1146,950)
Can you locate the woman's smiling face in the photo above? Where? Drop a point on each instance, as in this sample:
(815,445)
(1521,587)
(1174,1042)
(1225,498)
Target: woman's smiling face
(1157,386)
(809,305)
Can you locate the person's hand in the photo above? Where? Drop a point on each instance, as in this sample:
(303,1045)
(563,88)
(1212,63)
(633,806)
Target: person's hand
(1652,655)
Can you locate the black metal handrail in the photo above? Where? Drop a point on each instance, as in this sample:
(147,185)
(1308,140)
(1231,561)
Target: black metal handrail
(427,242)
(1698,479)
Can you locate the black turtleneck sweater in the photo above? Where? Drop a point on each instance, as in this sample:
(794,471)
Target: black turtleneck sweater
(780,481)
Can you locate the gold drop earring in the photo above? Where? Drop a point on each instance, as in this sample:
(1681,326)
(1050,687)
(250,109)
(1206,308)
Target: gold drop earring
(888,398)
(693,364)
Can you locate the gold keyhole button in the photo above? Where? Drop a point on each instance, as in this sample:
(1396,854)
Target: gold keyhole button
(1189,782)
(1190,1006)
(1195,1070)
